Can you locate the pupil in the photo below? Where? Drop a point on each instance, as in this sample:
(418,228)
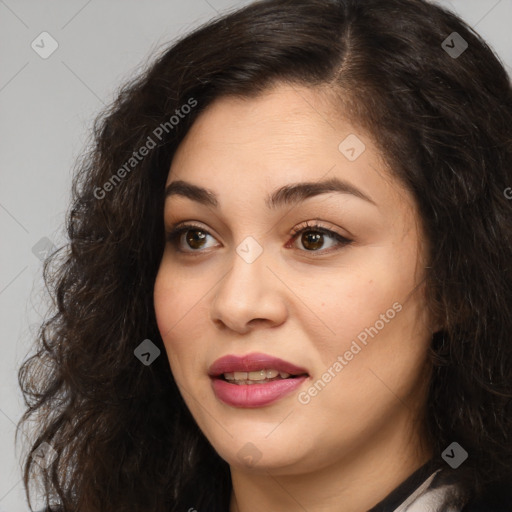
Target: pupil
(311,238)
(193,239)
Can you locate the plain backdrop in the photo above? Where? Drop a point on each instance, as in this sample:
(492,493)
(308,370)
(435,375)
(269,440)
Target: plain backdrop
(47,106)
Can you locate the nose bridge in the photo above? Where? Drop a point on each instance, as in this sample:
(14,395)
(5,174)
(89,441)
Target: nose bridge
(248,268)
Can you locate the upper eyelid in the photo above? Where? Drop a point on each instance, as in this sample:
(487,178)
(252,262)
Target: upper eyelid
(310,224)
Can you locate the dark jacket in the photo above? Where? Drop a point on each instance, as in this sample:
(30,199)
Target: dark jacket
(432,478)
(498,498)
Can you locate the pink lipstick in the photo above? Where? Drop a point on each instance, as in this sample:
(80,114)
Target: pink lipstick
(254,380)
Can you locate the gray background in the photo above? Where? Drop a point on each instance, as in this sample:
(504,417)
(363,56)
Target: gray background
(46,111)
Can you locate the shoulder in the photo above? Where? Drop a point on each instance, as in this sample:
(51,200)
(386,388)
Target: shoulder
(496,498)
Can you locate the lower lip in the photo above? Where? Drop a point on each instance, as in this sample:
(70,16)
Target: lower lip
(255,395)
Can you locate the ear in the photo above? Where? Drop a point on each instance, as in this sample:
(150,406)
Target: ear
(437,325)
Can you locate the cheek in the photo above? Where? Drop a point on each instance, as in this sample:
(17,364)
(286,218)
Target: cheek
(372,305)
(169,309)
(176,296)
(357,299)
(164,303)
(179,304)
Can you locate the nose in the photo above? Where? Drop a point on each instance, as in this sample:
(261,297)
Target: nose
(249,295)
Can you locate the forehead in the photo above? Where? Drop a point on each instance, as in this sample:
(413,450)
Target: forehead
(286,135)
(285,122)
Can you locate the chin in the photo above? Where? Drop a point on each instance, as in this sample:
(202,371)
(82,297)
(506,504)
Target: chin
(255,453)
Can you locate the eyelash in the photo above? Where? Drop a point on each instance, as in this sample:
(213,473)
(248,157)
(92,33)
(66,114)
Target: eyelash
(173,236)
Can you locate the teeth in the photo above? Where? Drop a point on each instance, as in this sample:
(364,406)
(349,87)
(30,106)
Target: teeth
(259,375)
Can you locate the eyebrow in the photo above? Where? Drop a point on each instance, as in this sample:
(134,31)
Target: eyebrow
(292,193)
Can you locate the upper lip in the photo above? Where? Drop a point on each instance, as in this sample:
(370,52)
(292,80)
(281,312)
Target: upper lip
(252,362)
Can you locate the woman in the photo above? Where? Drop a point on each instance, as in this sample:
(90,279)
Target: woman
(288,284)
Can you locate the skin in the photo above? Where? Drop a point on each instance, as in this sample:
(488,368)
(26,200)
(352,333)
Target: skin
(362,434)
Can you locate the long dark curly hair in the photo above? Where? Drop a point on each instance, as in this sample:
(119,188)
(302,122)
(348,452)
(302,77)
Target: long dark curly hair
(123,437)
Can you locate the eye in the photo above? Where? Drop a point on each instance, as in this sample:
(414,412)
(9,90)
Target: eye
(313,237)
(195,237)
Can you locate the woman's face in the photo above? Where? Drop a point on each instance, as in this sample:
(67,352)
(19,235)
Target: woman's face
(345,306)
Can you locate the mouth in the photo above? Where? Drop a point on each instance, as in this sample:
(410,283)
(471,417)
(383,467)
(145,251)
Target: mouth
(253,369)
(254,380)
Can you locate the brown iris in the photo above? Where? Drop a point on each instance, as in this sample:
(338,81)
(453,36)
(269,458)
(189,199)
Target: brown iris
(196,237)
(312,240)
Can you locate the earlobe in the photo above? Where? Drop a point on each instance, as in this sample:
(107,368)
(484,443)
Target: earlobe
(437,317)
(438,323)
(437,326)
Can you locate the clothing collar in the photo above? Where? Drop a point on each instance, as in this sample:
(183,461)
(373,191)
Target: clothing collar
(418,493)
